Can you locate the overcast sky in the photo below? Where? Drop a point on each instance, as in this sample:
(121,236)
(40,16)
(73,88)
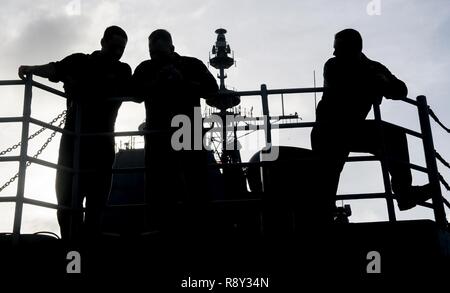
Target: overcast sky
(279,43)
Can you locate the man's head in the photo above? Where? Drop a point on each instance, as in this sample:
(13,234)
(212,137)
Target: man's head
(160,45)
(113,42)
(348,44)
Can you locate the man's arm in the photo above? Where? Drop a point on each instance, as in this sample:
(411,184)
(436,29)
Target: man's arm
(392,87)
(139,83)
(46,70)
(203,82)
(396,89)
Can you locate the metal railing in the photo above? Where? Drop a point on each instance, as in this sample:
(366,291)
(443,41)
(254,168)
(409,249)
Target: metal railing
(20,199)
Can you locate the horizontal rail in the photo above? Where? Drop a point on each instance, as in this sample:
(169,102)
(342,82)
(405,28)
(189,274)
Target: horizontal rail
(238,128)
(12,82)
(248,201)
(50,165)
(355,196)
(120,133)
(295,90)
(35,202)
(10,159)
(418,168)
(231,165)
(293,125)
(231,93)
(362,158)
(48,89)
(425,205)
(50,126)
(411,132)
(41,203)
(8,199)
(406,130)
(272,92)
(11,119)
(409,101)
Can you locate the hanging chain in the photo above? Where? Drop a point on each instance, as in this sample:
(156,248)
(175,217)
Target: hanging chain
(442,160)
(63,113)
(39,152)
(436,119)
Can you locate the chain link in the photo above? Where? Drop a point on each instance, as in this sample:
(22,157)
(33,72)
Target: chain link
(436,119)
(11,180)
(441,159)
(13,147)
(41,149)
(443,182)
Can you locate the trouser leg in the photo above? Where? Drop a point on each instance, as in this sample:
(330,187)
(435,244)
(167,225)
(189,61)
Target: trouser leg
(162,182)
(97,195)
(369,138)
(331,155)
(70,218)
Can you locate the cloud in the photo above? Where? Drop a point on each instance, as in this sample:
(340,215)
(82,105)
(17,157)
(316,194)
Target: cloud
(43,40)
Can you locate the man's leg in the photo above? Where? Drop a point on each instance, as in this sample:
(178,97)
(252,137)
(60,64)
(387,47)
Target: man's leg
(97,185)
(97,194)
(64,197)
(161,186)
(369,138)
(193,173)
(328,145)
(70,221)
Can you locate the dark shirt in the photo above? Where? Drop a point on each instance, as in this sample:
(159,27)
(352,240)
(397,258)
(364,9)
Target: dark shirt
(90,79)
(350,90)
(165,97)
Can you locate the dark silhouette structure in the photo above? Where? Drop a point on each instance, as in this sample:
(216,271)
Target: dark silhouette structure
(171,85)
(288,186)
(352,84)
(89,81)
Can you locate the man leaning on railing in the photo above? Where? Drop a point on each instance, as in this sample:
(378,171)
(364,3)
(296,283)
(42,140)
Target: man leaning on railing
(352,84)
(89,80)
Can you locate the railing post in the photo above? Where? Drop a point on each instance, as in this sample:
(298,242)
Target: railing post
(384,170)
(76,203)
(23,157)
(265,173)
(266,115)
(430,157)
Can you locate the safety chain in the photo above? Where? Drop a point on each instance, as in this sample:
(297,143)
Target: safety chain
(39,152)
(63,113)
(446,202)
(445,183)
(435,118)
(441,159)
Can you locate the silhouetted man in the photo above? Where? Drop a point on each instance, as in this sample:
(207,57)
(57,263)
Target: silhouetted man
(89,81)
(352,84)
(171,85)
